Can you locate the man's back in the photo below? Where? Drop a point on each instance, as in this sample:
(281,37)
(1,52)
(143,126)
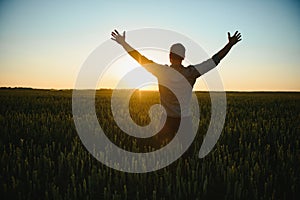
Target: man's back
(177,82)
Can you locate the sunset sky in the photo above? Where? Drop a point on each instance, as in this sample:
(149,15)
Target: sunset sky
(44,43)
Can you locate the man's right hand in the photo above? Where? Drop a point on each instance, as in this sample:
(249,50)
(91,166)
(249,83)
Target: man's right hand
(118,37)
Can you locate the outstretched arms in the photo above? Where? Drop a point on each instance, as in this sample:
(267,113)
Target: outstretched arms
(232,40)
(120,39)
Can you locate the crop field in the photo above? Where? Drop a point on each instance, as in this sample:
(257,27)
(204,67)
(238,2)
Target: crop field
(42,157)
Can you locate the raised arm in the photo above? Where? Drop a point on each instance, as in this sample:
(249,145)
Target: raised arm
(232,40)
(131,51)
(209,64)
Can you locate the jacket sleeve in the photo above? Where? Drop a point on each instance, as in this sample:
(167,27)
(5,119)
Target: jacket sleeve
(206,66)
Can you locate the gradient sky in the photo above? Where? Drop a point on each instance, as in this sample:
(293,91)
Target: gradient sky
(44,43)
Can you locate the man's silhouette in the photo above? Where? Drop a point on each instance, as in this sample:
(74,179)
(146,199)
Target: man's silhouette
(175,112)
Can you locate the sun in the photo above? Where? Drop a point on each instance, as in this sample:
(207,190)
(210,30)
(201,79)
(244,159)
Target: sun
(124,65)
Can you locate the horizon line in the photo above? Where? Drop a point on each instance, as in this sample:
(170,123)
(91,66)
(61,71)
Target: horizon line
(60,89)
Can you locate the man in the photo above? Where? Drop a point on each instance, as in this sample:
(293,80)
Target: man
(177,105)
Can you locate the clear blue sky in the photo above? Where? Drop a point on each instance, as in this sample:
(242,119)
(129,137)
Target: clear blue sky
(44,43)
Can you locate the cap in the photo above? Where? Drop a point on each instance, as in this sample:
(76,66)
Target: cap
(178,49)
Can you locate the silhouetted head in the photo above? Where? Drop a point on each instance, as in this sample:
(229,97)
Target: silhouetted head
(177,53)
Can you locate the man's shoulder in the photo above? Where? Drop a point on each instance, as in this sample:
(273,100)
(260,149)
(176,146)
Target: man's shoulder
(158,65)
(156,69)
(192,71)
(191,68)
